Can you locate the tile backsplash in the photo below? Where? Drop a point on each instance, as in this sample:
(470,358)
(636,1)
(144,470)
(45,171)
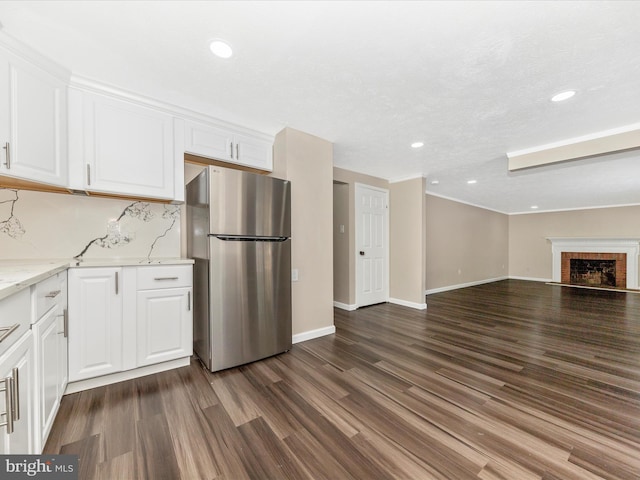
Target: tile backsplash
(50,225)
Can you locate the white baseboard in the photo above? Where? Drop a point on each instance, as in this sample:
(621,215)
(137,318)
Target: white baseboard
(481,282)
(74,387)
(530,279)
(464,285)
(405,303)
(345,306)
(311,334)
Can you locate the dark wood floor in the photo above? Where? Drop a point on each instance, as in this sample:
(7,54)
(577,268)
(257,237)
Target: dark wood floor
(511,380)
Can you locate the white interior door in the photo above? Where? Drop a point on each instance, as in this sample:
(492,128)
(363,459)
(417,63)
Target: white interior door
(372,245)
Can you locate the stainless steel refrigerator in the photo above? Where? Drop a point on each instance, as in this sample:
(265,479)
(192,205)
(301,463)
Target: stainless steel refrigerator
(238,233)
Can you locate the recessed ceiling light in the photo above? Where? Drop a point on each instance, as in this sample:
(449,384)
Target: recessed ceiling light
(435,182)
(417,144)
(559,97)
(471,182)
(533,207)
(220,48)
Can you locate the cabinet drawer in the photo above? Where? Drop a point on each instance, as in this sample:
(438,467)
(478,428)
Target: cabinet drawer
(164,276)
(15,316)
(49,292)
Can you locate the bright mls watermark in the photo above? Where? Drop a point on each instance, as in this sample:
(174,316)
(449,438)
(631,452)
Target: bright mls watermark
(39,467)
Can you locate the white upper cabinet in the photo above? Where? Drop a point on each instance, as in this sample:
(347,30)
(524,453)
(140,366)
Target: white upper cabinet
(211,141)
(121,147)
(33,120)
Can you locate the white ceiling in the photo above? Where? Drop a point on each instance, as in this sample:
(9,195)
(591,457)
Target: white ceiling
(470,79)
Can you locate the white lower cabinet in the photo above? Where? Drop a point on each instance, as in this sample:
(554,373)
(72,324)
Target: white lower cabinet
(125,318)
(164,325)
(95,322)
(17,398)
(50,352)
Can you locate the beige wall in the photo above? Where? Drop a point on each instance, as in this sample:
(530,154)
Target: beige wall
(530,251)
(407,242)
(307,161)
(341,284)
(345,278)
(465,244)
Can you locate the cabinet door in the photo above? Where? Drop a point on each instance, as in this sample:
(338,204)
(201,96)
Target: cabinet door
(208,141)
(62,321)
(164,321)
(63,351)
(33,123)
(48,372)
(95,322)
(226,145)
(254,152)
(17,366)
(128,148)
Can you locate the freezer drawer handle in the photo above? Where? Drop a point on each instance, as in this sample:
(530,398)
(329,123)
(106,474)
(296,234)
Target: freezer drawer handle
(8,401)
(6,331)
(240,238)
(165,278)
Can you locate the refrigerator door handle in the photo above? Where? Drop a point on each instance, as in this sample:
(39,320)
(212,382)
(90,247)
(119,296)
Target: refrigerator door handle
(241,238)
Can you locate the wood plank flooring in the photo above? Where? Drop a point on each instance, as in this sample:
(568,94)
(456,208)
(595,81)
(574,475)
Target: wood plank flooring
(511,380)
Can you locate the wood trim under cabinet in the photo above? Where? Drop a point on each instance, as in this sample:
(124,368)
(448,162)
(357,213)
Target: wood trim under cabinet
(205,161)
(20,184)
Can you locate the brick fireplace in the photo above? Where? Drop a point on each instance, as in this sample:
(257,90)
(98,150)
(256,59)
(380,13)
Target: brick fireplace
(592,269)
(596,262)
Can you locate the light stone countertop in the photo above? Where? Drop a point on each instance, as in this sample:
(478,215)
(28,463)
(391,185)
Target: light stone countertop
(128,262)
(16,275)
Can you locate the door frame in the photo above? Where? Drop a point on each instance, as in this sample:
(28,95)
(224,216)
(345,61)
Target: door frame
(358,236)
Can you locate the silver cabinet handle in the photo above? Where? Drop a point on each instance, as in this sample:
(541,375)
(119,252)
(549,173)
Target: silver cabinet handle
(16,394)
(231,148)
(7,149)
(117,287)
(237,152)
(189,301)
(65,324)
(8,400)
(53,294)
(6,331)
(165,278)
(88,174)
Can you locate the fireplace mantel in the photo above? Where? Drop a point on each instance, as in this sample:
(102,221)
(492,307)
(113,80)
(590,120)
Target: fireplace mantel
(630,246)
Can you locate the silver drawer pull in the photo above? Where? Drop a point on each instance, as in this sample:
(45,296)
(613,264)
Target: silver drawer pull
(166,278)
(8,401)
(53,294)
(6,331)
